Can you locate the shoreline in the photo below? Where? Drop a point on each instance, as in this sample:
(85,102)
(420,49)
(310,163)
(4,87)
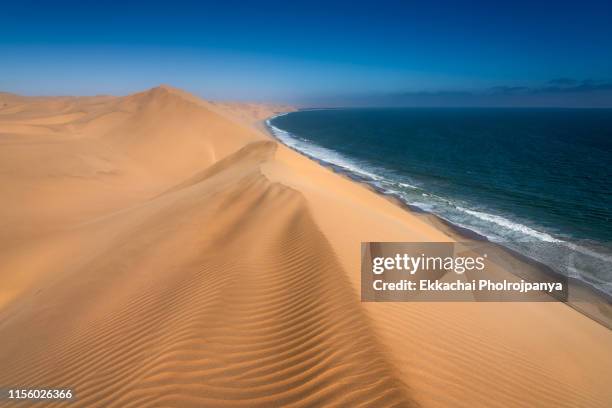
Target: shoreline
(586,299)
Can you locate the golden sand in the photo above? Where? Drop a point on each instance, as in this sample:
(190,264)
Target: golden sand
(161,250)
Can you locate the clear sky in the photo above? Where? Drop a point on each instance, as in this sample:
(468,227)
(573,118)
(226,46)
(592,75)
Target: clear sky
(313,52)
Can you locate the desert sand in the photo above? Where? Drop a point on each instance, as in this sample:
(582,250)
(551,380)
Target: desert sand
(161,250)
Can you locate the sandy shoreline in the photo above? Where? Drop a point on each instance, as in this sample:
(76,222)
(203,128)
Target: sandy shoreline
(159,249)
(586,299)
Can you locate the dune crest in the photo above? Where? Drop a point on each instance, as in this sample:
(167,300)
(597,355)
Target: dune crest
(160,250)
(182,297)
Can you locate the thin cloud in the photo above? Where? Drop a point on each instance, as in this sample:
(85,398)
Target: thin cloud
(560,85)
(565,85)
(559,92)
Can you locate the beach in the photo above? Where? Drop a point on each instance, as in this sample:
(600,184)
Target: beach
(160,249)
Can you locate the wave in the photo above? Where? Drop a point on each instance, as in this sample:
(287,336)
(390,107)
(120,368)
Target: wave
(320,153)
(528,240)
(506,223)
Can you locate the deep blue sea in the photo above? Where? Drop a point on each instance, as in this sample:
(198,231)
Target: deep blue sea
(536,180)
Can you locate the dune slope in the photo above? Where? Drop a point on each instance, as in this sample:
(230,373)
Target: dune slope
(159,250)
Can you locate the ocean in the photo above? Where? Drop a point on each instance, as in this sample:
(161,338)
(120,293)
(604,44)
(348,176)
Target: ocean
(538,181)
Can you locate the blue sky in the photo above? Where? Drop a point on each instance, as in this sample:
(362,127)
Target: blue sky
(313,52)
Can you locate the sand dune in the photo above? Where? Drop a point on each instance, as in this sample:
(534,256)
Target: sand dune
(161,250)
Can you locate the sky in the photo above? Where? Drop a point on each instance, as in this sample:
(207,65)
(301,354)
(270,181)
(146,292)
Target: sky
(315,53)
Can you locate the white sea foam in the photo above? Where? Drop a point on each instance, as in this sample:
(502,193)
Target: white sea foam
(589,252)
(406,185)
(513,226)
(423,206)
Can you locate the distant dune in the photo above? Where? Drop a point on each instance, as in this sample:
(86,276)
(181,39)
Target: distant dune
(162,250)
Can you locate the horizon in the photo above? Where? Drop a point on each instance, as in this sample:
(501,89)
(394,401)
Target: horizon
(299,107)
(390,54)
